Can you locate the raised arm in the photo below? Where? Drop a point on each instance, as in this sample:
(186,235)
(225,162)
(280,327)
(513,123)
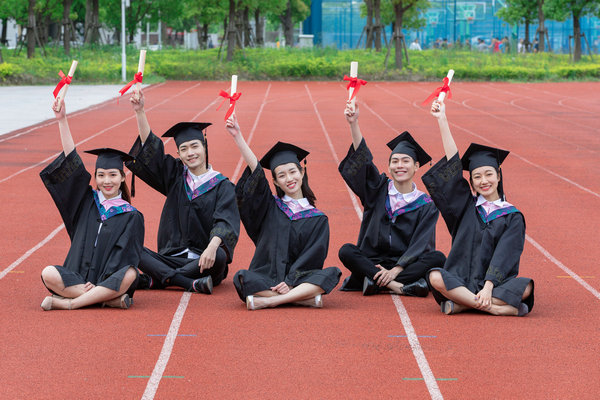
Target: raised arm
(352,114)
(233,128)
(438,110)
(137,102)
(63,126)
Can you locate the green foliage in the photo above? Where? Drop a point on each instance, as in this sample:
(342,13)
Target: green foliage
(102,64)
(8,71)
(519,12)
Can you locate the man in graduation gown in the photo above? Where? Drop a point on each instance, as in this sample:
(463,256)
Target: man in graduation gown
(200,222)
(396,242)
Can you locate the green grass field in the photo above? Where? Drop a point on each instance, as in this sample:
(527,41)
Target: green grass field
(103,65)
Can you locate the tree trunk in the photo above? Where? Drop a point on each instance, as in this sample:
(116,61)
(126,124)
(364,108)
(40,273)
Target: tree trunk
(231,32)
(4,31)
(526,42)
(288,25)
(378,25)
(541,28)
(31,30)
(1,59)
(399,13)
(91,33)
(67,26)
(576,37)
(259,24)
(247,28)
(369,24)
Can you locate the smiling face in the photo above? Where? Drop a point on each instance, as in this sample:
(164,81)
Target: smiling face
(402,167)
(485,182)
(108,181)
(192,154)
(288,177)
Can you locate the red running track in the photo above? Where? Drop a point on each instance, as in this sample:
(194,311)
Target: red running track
(380,347)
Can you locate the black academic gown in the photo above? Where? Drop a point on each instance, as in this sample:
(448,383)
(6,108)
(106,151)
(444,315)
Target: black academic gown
(100,258)
(186,223)
(483,247)
(387,238)
(290,248)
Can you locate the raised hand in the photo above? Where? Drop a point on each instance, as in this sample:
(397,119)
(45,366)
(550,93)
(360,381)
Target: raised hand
(438,109)
(59,109)
(351,113)
(137,101)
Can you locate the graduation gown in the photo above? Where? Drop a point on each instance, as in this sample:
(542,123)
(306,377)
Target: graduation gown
(484,248)
(290,247)
(101,258)
(388,238)
(189,220)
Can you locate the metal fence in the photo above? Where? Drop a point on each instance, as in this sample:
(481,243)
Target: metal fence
(338,23)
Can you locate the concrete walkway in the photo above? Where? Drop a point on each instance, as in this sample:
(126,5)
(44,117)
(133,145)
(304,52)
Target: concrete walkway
(22,106)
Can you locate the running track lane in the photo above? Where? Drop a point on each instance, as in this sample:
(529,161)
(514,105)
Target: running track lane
(502,355)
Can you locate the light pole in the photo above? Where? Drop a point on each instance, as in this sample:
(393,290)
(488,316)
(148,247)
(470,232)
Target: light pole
(124,3)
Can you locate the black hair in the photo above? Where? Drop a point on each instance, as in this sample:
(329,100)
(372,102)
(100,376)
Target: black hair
(306,190)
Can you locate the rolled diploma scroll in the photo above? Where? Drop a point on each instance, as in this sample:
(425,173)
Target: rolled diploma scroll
(353,74)
(63,91)
(141,65)
(442,95)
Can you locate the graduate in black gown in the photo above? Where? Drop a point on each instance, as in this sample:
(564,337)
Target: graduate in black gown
(200,223)
(290,234)
(488,233)
(396,242)
(106,232)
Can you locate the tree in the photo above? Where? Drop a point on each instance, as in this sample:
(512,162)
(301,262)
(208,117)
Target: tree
(295,11)
(91,33)
(560,10)
(406,13)
(520,12)
(30,28)
(541,31)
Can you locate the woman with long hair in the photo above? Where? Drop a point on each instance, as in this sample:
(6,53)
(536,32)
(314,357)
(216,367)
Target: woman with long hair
(106,232)
(290,234)
(488,233)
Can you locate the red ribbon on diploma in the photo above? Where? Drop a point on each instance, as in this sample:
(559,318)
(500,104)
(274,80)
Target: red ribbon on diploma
(232,99)
(138,77)
(444,88)
(354,83)
(66,80)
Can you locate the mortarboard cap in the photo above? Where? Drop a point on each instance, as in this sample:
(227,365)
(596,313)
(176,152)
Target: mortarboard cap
(110,158)
(478,155)
(406,144)
(185,131)
(282,153)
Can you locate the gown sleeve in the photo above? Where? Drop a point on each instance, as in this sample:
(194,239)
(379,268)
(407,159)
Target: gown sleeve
(313,254)
(68,183)
(361,174)
(254,198)
(505,260)
(226,218)
(423,238)
(449,190)
(152,165)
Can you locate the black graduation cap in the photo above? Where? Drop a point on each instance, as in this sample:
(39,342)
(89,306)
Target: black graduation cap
(185,131)
(478,155)
(282,153)
(110,158)
(406,144)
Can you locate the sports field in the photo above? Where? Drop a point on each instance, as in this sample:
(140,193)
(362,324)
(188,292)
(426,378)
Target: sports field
(175,345)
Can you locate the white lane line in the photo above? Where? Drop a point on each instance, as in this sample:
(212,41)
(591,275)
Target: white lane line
(238,167)
(31,251)
(563,267)
(74,114)
(415,345)
(167,348)
(93,136)
(577,185)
